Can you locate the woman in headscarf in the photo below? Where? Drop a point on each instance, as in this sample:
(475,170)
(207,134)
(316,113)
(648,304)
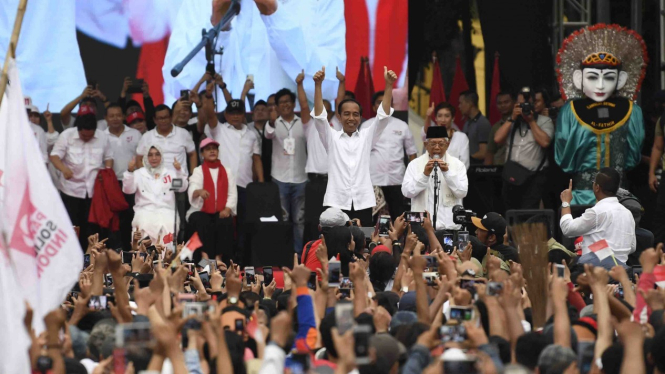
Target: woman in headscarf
(214,198)
(154,210)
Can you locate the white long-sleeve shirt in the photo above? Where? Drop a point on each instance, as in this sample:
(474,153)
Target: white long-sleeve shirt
(153,193)
(608,220)
(416,183)
(349,182)
(84,159)
(387,157)
(275,49)
(196,183)
(40,134)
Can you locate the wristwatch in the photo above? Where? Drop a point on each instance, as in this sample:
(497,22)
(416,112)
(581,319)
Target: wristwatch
(233,300)
(405,289)
(565,204)
(223,86)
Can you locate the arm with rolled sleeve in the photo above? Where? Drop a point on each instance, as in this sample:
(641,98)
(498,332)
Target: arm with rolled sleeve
(579,226)
(414,182)
(323,127)
(129,182)
(457,180)
(232,196)
(108,153)
(410,144)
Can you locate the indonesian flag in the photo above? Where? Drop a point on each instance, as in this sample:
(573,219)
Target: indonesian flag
(41,244)
(493,111)
(192,245)
(601,249)
(659,273)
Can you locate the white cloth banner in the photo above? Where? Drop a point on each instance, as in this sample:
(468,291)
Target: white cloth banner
(43,248)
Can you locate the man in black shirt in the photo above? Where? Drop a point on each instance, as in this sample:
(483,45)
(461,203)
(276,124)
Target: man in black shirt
(489,233)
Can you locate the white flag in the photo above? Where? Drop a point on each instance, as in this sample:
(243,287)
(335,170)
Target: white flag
(43,248)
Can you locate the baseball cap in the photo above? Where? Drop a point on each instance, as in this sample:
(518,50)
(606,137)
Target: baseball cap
(85,109)
(403,317)
(260,102)
(387,351)
(491,222)
(333,217)
(207,141)
(380,248)
(554,355)
(235,106)
(32,108)
(136,116)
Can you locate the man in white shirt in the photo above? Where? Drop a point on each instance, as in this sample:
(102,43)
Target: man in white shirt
(177,144)
(40,134)
(260,42)
(87,97)
(349,184)
(608,220)
(79,153)
(240,153)
(419,184)
(387,159)
(123,140)
(289,156)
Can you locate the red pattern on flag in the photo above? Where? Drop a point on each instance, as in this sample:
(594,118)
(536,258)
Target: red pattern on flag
(459,86)
(437,90)
(194,242)
(494,115)
(168,238)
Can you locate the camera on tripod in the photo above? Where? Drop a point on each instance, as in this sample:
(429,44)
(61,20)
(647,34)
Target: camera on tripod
(527,107)
(462,216)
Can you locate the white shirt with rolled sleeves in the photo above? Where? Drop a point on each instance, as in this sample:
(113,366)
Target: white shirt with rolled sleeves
(177,144)
(416,183)
(40,134)
(608,220)
(84,159)
(236,149)
(387,157)
(317,156)
(124,148)
(288,168)
(349,182)
(196,183)
(275,48)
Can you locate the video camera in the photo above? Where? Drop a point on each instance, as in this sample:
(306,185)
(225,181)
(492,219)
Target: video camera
(462,216)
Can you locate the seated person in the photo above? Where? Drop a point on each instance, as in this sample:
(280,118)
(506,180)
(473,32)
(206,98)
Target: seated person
(213,195)
(154,209)
(489,233)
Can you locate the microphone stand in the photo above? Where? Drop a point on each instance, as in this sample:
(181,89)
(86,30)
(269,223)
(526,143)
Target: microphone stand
(437,183)
(208,38)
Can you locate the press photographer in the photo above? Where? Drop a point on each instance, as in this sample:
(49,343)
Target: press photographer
(528,135)
(490,233)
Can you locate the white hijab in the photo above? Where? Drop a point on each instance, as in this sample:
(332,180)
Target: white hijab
(146,164)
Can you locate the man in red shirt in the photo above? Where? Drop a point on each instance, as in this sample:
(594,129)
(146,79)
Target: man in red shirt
(331,217)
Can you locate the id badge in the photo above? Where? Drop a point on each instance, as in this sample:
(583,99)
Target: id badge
(289,146)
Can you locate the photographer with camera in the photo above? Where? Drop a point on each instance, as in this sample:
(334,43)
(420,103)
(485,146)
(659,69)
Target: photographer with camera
(490,231)
(419,184)
(527,135)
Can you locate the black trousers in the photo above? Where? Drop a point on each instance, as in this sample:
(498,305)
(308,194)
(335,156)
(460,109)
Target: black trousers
(659,217)
(315,190)
(123,238)
(183,205)
(364,215)
(78,211)
(394,200)
(526,196)
(243,254)
(216,235)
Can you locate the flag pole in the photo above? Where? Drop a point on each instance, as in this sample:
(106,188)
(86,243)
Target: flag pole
(11,48)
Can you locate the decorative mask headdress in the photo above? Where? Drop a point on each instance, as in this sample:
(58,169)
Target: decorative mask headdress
(602,46)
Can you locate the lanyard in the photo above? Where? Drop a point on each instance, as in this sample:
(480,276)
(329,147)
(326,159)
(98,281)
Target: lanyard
(288,129)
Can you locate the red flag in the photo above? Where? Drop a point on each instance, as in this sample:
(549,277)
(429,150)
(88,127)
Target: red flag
(495,116)
(459,86)
(362,91)
(370,82)
(192,245)
(437,91)
(168,238)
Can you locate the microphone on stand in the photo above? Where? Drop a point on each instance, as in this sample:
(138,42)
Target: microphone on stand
(437,157)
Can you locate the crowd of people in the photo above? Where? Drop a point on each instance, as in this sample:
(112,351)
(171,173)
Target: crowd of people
(408,291)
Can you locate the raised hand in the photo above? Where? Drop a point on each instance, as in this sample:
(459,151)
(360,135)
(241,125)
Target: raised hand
(567,194)
(389,76)
(146,89)
(430,111)
(176,164)
(125,85)
(320,75)
(339,75)
(132,165)
(300,77)
(48,116)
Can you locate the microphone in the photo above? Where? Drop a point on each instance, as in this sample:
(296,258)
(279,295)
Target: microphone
(437,157)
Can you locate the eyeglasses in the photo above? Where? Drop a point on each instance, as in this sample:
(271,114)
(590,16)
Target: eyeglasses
(284,102)
(438,144)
